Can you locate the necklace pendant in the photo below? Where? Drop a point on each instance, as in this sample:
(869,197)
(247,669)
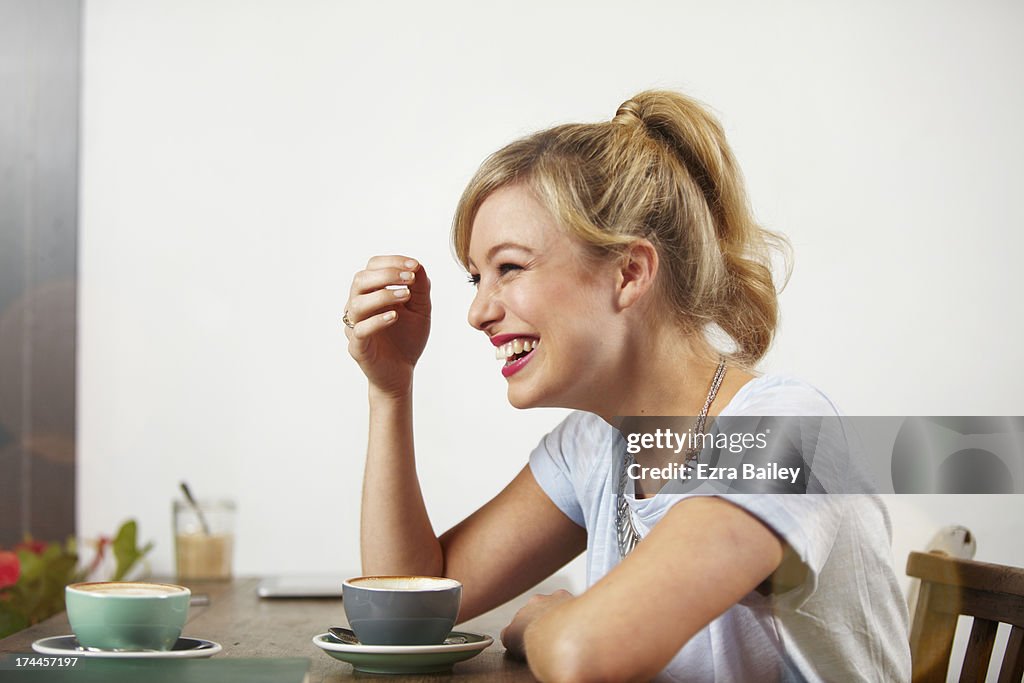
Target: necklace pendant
(626,533)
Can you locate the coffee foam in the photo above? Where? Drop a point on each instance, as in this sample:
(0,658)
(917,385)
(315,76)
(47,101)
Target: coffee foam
(404,583)
(128,589)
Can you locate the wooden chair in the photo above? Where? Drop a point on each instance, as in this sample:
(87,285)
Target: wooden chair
(990,593)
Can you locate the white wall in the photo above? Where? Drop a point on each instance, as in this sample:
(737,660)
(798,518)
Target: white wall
(241,160)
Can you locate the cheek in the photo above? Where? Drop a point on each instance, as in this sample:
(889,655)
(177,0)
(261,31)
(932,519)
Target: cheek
(571,305)
(535,302)
(591,303)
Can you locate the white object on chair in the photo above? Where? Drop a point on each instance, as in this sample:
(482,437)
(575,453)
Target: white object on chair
(955,541)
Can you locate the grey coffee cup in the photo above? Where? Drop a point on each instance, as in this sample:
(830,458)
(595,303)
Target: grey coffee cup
(401,610)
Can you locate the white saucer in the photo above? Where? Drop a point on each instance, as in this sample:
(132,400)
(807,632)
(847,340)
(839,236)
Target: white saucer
(185,648)
(405,659)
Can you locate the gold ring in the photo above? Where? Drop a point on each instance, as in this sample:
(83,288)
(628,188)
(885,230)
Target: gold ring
(348,323)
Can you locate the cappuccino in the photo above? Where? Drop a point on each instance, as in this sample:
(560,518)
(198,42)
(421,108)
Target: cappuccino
(404,583)
(401,610)
(129,589)
(130,615)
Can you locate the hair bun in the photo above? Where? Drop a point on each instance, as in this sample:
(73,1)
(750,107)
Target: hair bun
(628,113)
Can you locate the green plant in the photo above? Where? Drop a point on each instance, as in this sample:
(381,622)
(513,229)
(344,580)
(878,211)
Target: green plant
(34,573)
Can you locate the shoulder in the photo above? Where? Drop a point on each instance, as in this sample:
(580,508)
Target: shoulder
(780,395)
(581,426)
(578,445)
(567,460)
(581,436)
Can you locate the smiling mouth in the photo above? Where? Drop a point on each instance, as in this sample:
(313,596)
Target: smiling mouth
(515,350)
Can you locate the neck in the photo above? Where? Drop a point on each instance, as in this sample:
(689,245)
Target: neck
(663,372)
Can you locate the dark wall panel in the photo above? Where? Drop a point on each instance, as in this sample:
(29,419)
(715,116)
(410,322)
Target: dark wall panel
(40,67)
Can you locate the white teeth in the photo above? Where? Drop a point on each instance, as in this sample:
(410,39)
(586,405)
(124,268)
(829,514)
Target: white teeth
(506,351)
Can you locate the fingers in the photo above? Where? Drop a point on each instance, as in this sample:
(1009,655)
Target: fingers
(370,326)
(368,280)
(402,262)
(365,306)
(559,594)
(511,639)
(390,271)
(394,265)
(387,282)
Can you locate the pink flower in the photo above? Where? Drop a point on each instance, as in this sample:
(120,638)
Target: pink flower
(10,568)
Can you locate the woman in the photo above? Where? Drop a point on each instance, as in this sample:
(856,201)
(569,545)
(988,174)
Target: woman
(604,255)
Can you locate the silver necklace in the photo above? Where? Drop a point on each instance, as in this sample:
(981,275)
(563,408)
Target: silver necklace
(625,527)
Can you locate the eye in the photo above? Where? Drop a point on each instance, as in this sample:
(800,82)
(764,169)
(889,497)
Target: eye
(503,269)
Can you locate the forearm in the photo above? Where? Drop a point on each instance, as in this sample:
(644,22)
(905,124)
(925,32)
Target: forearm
(659,595)
(570,643)
(396,536)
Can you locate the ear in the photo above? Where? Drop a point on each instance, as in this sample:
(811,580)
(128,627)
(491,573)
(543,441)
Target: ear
(638,270)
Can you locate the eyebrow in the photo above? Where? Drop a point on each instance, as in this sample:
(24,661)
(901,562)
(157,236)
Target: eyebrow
(499,247)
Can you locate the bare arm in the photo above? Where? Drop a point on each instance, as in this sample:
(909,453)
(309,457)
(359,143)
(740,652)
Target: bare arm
(391,327)
(509,545)
(396,536)
(657,585)
(502,549)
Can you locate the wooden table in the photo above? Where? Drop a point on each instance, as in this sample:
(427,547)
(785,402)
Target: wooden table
(247,626)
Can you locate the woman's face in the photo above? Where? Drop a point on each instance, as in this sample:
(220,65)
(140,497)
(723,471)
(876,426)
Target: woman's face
(548,310)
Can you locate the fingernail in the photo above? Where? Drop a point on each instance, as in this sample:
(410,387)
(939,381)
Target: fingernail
(406,275)
(410,264)
(401,292)
(390,315)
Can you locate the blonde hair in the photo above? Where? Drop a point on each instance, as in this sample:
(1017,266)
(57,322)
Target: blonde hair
(661,169)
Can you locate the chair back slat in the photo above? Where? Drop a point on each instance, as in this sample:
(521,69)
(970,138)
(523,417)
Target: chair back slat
(979,651)
(1012,670)
(931,636)
(950,587)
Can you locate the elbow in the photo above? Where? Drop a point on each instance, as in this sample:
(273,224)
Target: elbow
(568,658)
(561,660)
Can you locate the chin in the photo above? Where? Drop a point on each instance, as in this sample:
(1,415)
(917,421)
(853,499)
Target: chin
(520,400)
(522,397)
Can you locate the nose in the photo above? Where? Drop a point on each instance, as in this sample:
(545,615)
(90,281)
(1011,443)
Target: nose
(485,309)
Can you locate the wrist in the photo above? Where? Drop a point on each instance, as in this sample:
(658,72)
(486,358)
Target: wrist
(384,397)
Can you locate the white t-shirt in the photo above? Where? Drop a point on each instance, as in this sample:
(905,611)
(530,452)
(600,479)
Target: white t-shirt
(847,620)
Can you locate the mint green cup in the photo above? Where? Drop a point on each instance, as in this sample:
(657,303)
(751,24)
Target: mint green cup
(114,615)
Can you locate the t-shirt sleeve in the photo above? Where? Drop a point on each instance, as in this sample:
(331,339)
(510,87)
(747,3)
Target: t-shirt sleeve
(808,524)
(553,464)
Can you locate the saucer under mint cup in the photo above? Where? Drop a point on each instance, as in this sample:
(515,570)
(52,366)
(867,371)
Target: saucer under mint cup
(401,610)
(131,616)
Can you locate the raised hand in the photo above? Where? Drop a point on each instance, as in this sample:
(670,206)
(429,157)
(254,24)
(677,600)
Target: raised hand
(391,326)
